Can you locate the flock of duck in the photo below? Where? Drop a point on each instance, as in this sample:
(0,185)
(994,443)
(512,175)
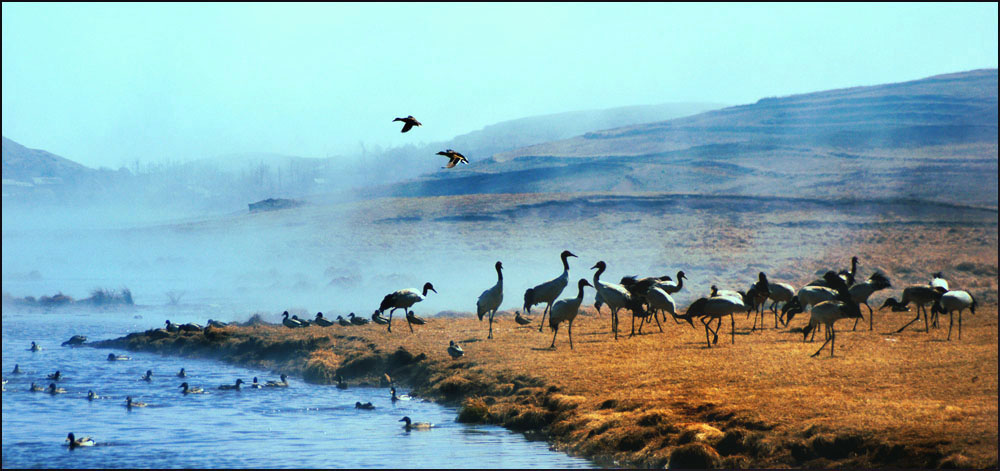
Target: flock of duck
(186,388)
(837,295)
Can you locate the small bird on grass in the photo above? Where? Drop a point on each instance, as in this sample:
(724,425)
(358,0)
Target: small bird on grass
(521,320)
(455,351)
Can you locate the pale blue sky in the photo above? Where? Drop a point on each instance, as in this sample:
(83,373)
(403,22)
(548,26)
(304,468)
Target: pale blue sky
(105,84)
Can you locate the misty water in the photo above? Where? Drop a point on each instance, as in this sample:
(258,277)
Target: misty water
(304,425)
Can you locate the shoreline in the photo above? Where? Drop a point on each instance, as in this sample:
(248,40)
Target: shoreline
(622,427)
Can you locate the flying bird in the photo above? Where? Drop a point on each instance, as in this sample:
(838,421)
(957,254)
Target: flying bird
(454,158)
(408,123)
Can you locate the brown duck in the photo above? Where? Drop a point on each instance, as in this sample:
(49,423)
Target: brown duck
(408,123)
(454,158)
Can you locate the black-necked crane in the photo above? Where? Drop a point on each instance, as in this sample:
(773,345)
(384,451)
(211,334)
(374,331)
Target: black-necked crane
(951,301)
(847,276)
(661,302)
(565,310)
(549,291)
(757,298)
(860,292)
(453,158)
(779,293)
(637,289)
(615,296)
(709,309)
(938,281)
(827,313)
(408,123)
(490,300)
(403,299)
(921,295)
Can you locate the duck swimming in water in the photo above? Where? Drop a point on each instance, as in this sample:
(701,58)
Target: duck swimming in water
(148,376)
(395,398)
(91,395)
(78,442)
(182,373)
(231,387)
(17,369)
(113,357)
(53,390)
(34,347)
(365,406)
(340,382)
(129,403)
(55,376)
(255,384)
(35,388)
(185,389)
(278,384)
(410,425)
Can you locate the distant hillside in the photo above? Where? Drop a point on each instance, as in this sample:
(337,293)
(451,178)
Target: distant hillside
(934,138)
(26,166)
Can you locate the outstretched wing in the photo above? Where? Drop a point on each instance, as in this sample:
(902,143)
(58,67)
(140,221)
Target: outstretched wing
(407,126)
(451,163)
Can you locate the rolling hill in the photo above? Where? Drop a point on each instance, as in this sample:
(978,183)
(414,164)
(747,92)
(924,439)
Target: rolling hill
(929,139)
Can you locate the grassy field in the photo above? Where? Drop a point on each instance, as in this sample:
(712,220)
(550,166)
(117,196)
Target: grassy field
(898,400)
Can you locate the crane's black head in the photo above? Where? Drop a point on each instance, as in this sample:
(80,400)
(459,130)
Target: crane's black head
(680,275)
(428,287)
(599,265)
(583,282)
(566,253)
(499,266)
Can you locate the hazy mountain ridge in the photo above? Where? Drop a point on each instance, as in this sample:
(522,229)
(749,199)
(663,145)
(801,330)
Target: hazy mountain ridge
(932,139)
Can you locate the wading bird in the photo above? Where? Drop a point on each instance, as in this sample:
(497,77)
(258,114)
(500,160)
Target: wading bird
(952,301)
(403,299)
(615,296)
(549,291)
(565,310)
(490,300)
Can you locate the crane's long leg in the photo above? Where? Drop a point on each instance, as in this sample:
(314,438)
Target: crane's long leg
(390,319)
(871,317)
(544,312)
(570,329)
(491,323)
(633,326)
(960,324)
(657,319)
(821,347)
(926,328)
(555,331)
(732,329)
(915,319)
(951,320)
(833,339)
(706,332)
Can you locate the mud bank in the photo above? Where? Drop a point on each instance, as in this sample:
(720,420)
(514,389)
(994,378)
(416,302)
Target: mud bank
(565,397)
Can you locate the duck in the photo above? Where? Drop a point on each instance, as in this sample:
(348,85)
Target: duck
(321,321)
(231,387)
(35,388)
(129,403)
(521,320)
(113,357)
(171,327)
(182,373)
(357,320)
(78,442)
(378,319)
(343,322)
(365,406)
(453,158)
(217,324)
(34,347)
(91,395)
(303,322)
(410,425)
(17,369)
(185,389)
(412,318)
(455,350)
(395,398)
(278,384)
(292,323)
(53,390)
(55,376)
(408,123)
(148,376)
(340,382)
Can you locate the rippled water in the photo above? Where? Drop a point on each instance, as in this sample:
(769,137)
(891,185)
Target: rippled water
(304,425)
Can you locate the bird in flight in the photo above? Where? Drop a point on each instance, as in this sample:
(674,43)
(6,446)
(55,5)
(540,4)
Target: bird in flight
(408,123)
(454,158)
